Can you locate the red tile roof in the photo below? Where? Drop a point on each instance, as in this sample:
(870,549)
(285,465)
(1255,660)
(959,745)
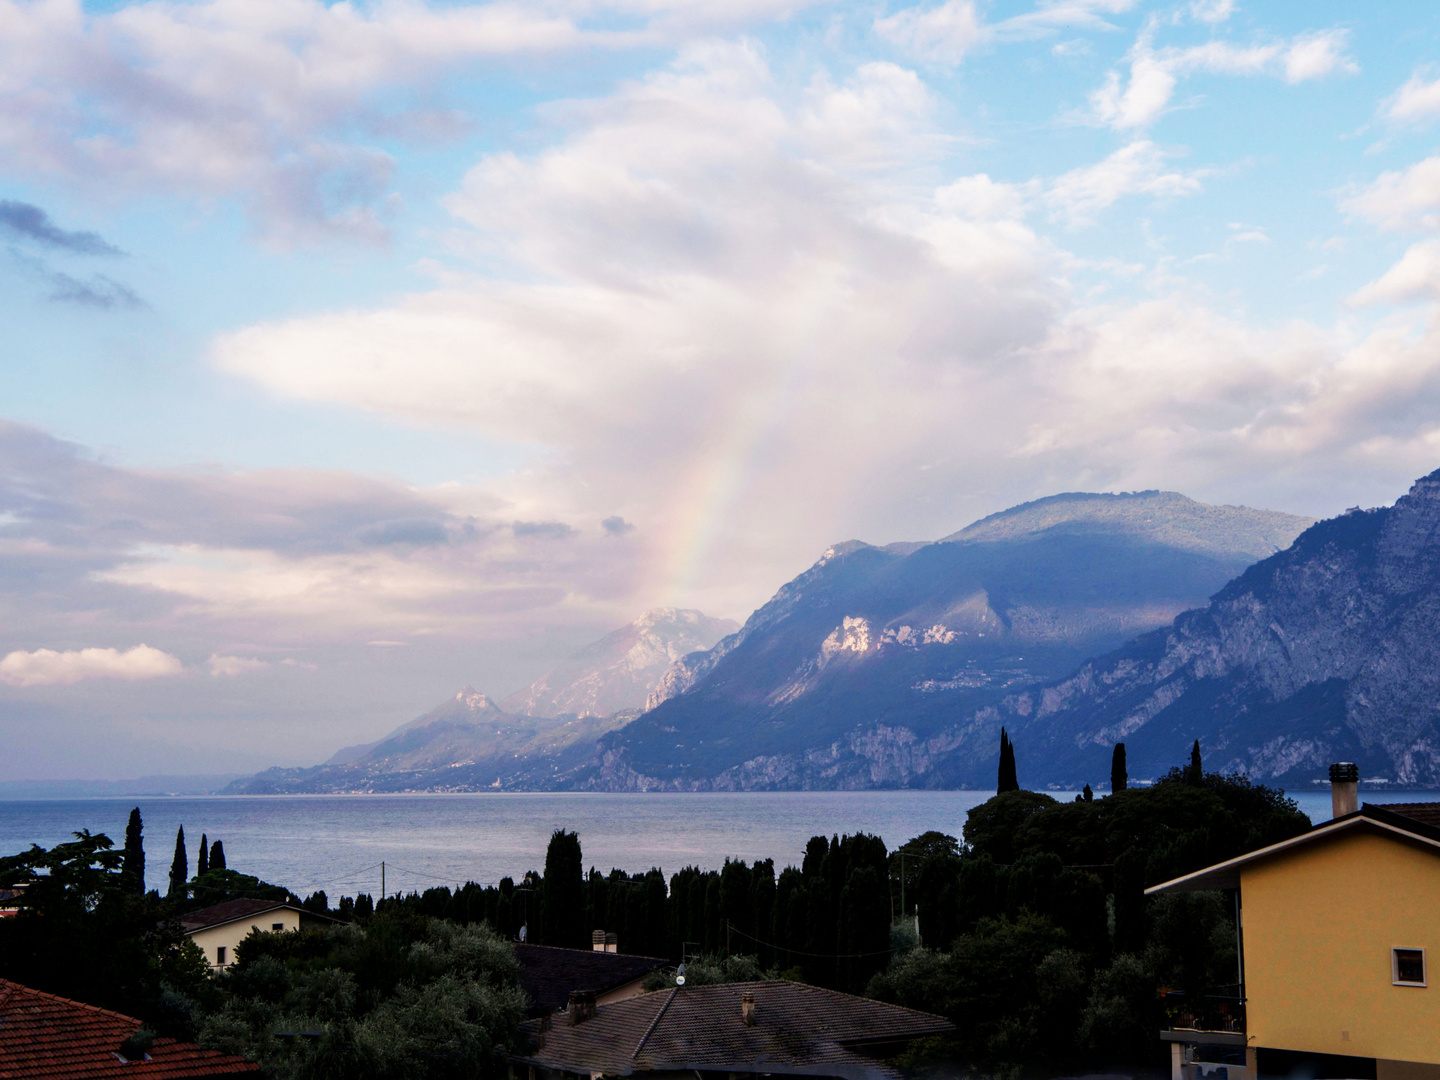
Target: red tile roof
(548,974)
(44,1037)
(798,1030)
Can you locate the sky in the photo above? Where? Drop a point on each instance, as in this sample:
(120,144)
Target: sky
(353,353)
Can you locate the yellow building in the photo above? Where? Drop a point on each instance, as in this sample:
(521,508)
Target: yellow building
(1337,928)
(218,929)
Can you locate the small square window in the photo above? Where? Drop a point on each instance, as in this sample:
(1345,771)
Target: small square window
(1408,967)
(220,956)
(277,926)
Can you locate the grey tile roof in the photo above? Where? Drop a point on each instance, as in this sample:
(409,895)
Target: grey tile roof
(798,1030)
(549,974)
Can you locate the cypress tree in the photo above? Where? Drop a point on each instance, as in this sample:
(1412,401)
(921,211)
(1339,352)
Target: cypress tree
(1195,774)
(1119,778)
(202,861)
(1006,779)
(217,855)
(179,868)
(132,865)
(1087,795)
(562,909)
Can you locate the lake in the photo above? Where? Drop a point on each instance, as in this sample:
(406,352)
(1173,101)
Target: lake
(338,842)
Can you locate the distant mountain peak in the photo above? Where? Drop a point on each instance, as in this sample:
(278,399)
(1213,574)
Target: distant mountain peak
(617,672)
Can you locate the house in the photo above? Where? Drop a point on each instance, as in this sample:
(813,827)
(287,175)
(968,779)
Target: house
(218,929)
(1336,930)
(550,975)
(45,1037)
(720,1032)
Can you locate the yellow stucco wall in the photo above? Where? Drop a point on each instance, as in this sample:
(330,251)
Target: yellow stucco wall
(231,934)
(1319,927)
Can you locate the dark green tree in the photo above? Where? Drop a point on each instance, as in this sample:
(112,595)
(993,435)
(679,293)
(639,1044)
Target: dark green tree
(1119,779)
(1087,795)
(563,905)
(132,865)
(217,855)
(1006,779)
(1196,773)
(179,869)
(202,860)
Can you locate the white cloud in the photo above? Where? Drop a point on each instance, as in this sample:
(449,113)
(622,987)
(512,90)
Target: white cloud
(1313,56)
(1211,11)
(234,665)
(1138,169)
(47,667)
(1154,73)
(277,104)
(942,34)
(1417,100)
(1415,277)
(1403,201)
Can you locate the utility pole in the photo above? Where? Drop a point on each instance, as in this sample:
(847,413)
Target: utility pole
(382,879)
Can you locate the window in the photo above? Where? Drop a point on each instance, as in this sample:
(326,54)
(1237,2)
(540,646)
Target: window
(1408,967)
(277,926)
(220,956)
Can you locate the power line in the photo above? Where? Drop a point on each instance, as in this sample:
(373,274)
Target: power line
(802,952)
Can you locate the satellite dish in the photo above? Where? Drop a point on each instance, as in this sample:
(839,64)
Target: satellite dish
(522,933)
(680,975)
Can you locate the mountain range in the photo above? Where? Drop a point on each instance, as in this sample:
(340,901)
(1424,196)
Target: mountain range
(470,742)
(857,673)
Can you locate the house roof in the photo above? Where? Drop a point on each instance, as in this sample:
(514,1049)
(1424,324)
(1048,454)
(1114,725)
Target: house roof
(1401,821)
(798,1030)
(234,910)
(549,974)
(44,1037)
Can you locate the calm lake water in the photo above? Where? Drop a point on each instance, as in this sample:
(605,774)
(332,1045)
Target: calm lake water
(338,842)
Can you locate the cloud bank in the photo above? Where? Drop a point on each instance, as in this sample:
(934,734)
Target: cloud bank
(46,667)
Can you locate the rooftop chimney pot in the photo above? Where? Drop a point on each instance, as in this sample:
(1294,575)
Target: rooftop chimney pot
(597,940)
(582,1006)
(747,1008)
(1344,795)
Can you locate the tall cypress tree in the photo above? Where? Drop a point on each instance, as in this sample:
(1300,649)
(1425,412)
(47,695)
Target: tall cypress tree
(1195,774)
(1119,778)
(132,865)
(179,868)
(1006,779)
(217,855)
(562,918)
(202,861)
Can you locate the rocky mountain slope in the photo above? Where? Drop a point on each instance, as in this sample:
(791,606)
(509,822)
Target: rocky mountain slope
(1328,651)
(617,672)
(856,673)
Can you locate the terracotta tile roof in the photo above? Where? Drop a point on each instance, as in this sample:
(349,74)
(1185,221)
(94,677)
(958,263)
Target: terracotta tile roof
(548,974)
(798,1030)
(44,1037)
(1427,813)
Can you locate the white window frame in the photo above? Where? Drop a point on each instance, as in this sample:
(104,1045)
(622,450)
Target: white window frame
(1395,966)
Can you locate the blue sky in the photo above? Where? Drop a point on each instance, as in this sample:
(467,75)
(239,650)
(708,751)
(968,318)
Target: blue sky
(475,330)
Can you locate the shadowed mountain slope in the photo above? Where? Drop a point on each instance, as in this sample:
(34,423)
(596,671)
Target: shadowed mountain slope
(852,670)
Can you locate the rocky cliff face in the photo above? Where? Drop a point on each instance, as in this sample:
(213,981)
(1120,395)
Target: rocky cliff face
(1327,651)
(617,672)
(856,673)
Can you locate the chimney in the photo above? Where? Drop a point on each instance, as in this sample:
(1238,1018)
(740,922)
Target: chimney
(582,1006)
(597,940)
(747,1008)
(1344,775)
(612,943)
